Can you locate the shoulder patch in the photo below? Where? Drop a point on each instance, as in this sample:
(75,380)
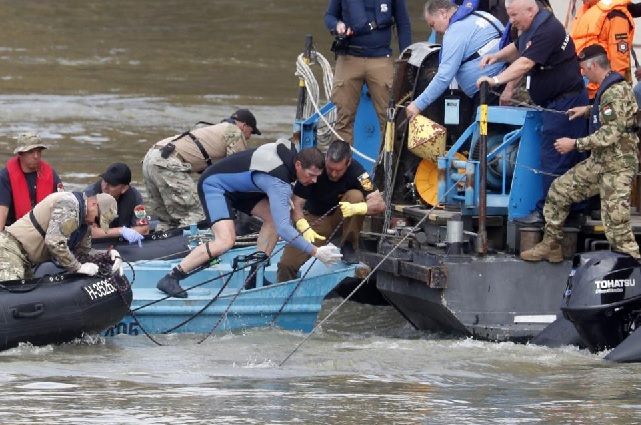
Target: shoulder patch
(622,46)
(366,182)
(141,215)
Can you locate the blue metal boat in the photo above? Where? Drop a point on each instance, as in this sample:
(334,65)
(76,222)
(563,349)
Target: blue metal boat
(218,302)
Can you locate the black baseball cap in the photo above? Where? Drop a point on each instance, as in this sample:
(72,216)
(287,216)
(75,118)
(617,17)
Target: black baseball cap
(117,173)
(244,115)
(591,51)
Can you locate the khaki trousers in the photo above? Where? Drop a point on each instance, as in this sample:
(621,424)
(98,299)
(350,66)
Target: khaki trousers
(350,74)
(292,258)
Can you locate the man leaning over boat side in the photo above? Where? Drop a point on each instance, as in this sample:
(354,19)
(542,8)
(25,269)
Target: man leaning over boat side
(544,53)
(26,180)
(167,166)
(58,228)
(131,222)
(467,36)
(257,182)
(608,171)
(344,182)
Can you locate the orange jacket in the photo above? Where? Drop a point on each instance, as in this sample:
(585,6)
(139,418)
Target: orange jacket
(609,24)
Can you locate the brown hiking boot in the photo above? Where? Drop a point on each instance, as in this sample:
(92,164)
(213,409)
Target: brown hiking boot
(547,249)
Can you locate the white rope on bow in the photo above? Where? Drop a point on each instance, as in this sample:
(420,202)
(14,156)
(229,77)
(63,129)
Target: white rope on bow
(325,133)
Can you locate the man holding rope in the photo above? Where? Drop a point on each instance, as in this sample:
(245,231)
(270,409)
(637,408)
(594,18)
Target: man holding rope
(257,182)
(344,183)
(545,54)
(608,171)
(467,36)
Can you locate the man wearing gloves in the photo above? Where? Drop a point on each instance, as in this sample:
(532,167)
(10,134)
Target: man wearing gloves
(345,183)
(58,228)
(131,223)
(257,182)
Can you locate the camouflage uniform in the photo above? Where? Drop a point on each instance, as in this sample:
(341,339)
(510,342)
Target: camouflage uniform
(22,246)
(172,192)
(608,171)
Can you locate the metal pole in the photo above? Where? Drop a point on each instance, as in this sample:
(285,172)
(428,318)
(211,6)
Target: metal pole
(302,91)
(482,234)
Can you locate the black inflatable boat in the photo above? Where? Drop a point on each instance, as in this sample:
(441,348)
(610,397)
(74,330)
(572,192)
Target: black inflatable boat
(176,243)
(601,307)
(59,308)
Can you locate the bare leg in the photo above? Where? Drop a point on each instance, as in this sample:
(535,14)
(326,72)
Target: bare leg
(267,237)
(224,237)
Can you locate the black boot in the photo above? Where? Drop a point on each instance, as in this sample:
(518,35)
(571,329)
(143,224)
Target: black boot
(349,254)
(170,283)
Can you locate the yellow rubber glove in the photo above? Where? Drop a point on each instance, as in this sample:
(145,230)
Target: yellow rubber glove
(308,233)
(348,209)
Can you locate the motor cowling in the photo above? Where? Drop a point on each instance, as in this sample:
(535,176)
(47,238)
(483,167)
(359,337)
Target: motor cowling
(603,297)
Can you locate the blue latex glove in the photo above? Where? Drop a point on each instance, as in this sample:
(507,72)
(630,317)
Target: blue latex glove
(131,235)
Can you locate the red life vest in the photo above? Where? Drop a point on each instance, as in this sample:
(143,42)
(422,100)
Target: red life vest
(20,194)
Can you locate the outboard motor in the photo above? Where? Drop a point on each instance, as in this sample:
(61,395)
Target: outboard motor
(603,298)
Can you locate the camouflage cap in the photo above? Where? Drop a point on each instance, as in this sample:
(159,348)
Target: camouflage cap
(27,142)
(108,210)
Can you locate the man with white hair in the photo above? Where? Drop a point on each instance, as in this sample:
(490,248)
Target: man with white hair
(544,53)
(26,180)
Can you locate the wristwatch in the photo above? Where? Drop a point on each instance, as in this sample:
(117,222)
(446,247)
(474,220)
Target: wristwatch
(496,80)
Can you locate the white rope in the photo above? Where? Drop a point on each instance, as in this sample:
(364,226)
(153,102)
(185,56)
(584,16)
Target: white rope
(326,133)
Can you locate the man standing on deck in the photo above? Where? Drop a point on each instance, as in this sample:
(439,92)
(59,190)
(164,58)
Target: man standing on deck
(167,167)
(363,55)
(467,36)
(544,53)
(344,182)
(609,24)
(608,171)
(26,180)
(257,182)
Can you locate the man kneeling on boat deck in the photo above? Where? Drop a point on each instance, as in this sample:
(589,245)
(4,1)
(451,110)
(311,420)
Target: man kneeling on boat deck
(58,228)
(257,182)
(608,171)
(344,182)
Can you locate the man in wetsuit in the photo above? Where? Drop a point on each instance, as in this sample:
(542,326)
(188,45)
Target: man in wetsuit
(257,182)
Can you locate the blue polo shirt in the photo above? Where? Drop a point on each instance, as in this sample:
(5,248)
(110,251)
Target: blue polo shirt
(461,40)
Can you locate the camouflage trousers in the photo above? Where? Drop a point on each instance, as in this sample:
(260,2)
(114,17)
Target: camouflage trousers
(14,264)
(585,180)
(172,192)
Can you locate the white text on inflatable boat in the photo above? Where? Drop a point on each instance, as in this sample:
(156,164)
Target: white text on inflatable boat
(612,285)
(99,289)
